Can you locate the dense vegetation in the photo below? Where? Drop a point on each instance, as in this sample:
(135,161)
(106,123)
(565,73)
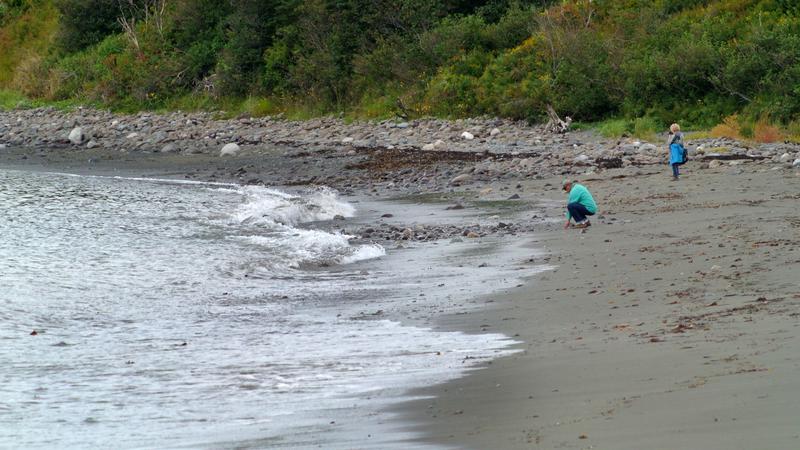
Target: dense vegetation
(650,62)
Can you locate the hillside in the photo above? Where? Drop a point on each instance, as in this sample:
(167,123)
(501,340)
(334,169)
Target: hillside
(648,62)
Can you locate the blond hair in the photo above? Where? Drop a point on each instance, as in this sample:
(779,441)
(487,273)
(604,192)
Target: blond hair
(674,127)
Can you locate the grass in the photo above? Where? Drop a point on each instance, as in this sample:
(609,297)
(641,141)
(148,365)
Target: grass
(646,129)
(705,134)
(643,128)
(11,99)
(613,128)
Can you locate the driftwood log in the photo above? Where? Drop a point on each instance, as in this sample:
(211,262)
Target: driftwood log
(402,110)
(555,124)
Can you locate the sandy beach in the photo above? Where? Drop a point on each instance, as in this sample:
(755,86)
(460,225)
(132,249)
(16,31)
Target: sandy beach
(670,323)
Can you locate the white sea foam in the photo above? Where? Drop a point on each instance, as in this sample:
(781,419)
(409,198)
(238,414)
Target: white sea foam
(279,213)
(364,252)
(269,206)
(295,247)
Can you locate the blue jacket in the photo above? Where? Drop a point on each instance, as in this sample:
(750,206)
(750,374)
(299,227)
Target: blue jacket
(675,143)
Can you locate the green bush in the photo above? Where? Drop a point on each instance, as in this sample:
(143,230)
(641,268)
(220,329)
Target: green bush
(647,62)
(514,84)
(451,94)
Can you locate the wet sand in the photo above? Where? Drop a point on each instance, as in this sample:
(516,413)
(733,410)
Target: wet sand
(672,322)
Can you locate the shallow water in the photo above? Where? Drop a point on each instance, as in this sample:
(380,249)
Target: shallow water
(173,314)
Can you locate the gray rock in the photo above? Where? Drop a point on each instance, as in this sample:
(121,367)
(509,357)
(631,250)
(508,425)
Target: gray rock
(92,144)
(230,149)
(581,159)
(158,137)
(647,147)
(76,136)
(169,148)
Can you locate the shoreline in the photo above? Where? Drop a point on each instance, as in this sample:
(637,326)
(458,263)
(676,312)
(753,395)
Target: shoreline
(469,252)
(672,314)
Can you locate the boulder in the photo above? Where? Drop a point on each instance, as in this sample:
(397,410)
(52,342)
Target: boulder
(796,163)
(467,135)
(429,147)
(494,132)
(230,149)
(169,148)
(76,136)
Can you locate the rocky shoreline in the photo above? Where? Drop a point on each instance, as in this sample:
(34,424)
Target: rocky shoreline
(426,155)
(484,159)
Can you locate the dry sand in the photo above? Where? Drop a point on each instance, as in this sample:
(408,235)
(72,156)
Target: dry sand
(671,323)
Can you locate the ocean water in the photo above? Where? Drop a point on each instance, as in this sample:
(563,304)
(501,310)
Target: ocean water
(139,313)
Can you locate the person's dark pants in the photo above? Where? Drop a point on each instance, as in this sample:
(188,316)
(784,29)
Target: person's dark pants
(578,211)
(675,172)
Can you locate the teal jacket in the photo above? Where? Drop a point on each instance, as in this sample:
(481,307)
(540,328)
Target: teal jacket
(579,194)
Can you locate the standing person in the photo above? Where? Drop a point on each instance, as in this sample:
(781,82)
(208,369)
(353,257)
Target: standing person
(677,153)
(580,204)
